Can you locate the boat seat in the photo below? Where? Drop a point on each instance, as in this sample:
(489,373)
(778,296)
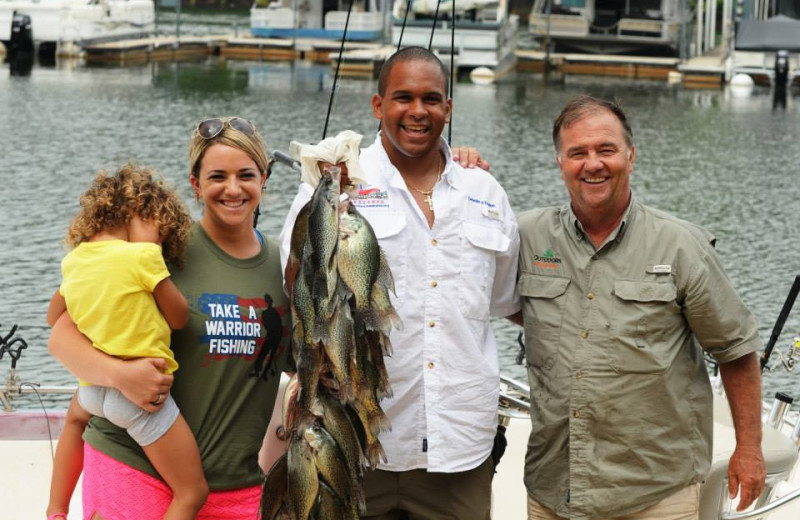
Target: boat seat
(780,455)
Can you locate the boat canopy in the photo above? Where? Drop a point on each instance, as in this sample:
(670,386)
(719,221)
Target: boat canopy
(777,33)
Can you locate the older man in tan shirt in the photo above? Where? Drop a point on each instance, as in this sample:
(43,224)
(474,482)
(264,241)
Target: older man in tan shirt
(616,298)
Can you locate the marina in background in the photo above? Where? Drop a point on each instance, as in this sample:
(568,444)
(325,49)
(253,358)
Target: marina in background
(713,44)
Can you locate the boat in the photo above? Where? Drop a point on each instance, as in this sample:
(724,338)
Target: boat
(649,27)
(58,25)
(27,439)
(768,50)
(317,19)
(485,35)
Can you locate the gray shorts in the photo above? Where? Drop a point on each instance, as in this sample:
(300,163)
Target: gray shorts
(143,427)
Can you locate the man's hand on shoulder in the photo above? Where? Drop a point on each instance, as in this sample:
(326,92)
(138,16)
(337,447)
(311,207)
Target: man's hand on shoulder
(469,157)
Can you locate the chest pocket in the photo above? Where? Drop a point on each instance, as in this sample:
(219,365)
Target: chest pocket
(646,316)
(480,245)
(388,227)
(543,302)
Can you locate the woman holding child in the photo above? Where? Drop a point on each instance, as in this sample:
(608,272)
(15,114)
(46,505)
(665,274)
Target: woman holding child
(230,277)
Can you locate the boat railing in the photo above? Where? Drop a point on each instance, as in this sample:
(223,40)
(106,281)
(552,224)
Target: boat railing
(13,346)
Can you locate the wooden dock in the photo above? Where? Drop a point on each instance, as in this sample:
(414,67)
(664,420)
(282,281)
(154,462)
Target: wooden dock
(707,71)
(140,50)
(635,67)
(232,47)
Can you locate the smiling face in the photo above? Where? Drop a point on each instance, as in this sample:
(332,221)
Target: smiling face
(596,164)
(229,184)
(413,110)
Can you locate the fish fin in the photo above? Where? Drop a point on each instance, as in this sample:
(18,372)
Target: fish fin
(379,422)
(376,454)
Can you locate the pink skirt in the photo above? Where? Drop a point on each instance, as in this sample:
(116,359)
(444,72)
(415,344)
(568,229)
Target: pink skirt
(117,491)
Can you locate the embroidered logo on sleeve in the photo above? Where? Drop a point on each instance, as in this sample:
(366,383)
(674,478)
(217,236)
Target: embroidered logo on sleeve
(660,269)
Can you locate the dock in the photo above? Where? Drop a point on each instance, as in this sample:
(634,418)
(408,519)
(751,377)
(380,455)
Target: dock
(706,71)
(164,48)
(364,59)
(635,67)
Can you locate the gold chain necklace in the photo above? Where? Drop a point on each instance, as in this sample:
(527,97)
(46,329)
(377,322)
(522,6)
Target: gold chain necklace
(429,192)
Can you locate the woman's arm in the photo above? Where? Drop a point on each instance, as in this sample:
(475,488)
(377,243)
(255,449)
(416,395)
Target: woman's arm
(172,304)
(141,380)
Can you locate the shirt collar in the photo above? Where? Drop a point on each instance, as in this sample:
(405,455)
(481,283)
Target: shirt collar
(393,176)
(579,233)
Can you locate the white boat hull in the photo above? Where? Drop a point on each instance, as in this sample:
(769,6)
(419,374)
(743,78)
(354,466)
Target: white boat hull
(77,21)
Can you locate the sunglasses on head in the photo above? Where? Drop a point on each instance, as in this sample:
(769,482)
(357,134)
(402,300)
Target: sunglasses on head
(211,128)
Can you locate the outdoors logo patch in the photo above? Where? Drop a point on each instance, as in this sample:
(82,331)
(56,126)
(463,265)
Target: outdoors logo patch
(547,260)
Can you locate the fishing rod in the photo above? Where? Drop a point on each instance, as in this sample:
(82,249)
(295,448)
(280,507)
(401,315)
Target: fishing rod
(338,66)
(784,314)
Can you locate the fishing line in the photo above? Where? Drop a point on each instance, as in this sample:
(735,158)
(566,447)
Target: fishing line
(33,386)
(403,27)
(433,26)
(452,69)
(338,66)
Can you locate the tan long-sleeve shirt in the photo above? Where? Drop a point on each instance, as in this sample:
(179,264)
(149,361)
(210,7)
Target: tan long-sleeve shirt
(621,401)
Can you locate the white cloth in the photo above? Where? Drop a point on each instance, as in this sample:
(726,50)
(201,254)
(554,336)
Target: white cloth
(344,147)
(445,377)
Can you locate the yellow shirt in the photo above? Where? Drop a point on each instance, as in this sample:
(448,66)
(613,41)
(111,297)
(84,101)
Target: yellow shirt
(108,287)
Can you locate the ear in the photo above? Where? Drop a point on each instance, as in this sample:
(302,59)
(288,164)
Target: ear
(377,102)
(631,159)
(448,110)
(195,185)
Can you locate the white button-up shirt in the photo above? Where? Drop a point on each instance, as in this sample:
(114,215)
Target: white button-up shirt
(449,279)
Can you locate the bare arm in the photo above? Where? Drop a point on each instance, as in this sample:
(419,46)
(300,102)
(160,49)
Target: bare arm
(58,306)
(171,303)
(141,380)
(746,470)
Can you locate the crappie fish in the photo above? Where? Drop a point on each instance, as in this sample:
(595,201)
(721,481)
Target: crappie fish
(299,234)
(357,254)
(339,350)
(329,507)
(342,315)
(274,490)
(336,421)
(318,253)
(303,481)
(328,458)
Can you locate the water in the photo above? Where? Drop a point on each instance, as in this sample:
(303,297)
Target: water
(717,158)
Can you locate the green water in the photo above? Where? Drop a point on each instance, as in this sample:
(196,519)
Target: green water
(722,159)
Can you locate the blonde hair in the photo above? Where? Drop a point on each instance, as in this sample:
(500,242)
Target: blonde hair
(252,145)
(112,200)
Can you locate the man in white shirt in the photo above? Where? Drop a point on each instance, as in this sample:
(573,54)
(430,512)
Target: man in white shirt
(452,244)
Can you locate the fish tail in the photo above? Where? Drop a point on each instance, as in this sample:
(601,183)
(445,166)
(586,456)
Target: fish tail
(379,422)
(376,453)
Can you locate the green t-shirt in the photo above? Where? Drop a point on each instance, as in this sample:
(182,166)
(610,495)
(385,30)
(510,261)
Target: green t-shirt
(237,311)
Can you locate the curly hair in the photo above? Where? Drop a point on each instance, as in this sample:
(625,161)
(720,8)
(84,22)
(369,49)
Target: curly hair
(111,202)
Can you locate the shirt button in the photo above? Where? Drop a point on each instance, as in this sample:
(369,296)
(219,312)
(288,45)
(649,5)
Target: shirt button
(434,242)
(579,374)
(431,324)
(590,296)
(576,413)
(430,364)
(434,284)
(584,334)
